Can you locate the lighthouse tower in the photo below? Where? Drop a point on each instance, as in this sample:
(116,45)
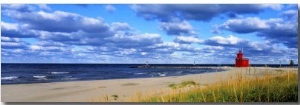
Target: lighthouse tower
(240,61)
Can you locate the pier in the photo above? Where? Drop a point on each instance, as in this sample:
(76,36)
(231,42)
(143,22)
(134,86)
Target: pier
(184,67)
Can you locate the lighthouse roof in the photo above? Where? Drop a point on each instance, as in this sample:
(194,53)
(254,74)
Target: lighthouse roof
(240,52)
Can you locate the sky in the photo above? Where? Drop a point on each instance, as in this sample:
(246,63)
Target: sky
(157,33)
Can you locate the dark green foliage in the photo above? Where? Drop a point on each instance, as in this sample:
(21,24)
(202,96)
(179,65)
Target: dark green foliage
(115,97)
(291,63)
(182,84)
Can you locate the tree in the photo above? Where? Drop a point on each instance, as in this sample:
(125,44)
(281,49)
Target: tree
(291,63)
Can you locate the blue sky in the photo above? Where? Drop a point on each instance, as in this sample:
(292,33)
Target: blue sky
(157,33)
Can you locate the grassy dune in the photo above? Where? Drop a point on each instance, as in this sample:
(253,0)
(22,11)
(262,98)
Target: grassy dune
(240,86)
(282,87)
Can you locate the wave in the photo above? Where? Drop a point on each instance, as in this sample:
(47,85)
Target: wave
(178,72)
(162,74)
(69,78)
(40,77)
(139,73)
(9,78)
(59,72)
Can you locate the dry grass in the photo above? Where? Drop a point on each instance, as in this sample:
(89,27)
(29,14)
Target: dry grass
(239,86)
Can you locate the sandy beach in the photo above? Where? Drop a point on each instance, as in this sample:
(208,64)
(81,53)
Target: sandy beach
(86,91)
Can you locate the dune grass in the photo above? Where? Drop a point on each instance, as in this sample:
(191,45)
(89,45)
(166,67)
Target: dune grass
(240,86)
(281,87)
(183,84)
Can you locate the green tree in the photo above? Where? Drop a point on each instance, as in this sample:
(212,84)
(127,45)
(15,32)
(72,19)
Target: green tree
(291,63)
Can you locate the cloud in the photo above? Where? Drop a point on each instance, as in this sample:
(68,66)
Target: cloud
(187,40)
(93,40)
(8,39)
(110,8)
(173,46)
(276,30)
(18,7)
(177,28)
(120,26)
(290,15)
(44,6)
(68,22)
(258,52)
(282,32)
(247,25)
(134,41)
(17,31)
(12,43)
(223,41)
(79,38)
(233,15)
(47,49)
(199,12)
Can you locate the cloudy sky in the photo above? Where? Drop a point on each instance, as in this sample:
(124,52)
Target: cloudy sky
(134,33)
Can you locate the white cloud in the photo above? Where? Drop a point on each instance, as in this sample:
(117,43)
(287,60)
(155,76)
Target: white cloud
(9,26)
(120,26)
(44,6)
(231,40)
(273,6)
(18,50)
(187,39)
(177,27)
(35,47)
(110,8)
(247,25)
(213,47)
(8,39)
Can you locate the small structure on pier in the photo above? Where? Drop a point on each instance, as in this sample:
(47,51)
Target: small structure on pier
(240,61)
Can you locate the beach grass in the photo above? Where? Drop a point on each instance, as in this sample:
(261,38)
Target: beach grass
(270,87)
(239,86)
(183,84)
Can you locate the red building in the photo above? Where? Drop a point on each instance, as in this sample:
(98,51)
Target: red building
(240,61)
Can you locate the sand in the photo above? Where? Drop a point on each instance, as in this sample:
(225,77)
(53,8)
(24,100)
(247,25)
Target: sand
(88,91)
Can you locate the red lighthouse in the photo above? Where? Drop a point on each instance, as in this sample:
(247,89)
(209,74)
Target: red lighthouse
(240,61)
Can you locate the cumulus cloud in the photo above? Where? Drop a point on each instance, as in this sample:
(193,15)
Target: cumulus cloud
(233,15)
(223,41)
(79,38)
(17,30)
(120,26)
(57,21)
(173,46)
(13,43)
(200,12)
(290,15)
(129,41)
(48,48)
(110,8)
(18,7)
(247,25)
(187,40)
(275,29)
(166,13)
(8,39)
(177,28)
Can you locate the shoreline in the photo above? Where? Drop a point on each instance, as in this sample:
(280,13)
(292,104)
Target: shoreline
(86,91)
(213,70)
